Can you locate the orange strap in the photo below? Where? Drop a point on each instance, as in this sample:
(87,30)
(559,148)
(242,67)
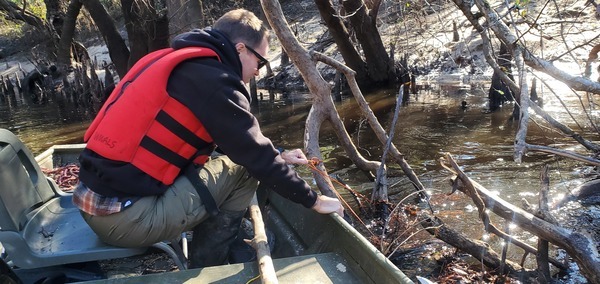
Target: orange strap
(312,164)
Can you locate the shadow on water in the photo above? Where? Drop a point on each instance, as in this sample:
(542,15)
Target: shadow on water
(430,123)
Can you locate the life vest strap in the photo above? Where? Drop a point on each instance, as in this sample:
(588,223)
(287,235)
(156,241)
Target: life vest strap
(178,129)
(161,151)
(207,199)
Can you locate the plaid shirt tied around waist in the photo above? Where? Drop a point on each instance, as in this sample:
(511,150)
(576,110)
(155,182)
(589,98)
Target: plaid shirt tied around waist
(97,205)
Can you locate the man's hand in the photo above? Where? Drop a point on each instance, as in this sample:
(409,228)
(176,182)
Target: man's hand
(326,205)
(295,156)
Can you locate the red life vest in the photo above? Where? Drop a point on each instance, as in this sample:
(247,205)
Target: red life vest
(142,125)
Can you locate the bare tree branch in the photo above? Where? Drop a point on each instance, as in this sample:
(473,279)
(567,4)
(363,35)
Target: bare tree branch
(15,13)
(576,244)
(502,31)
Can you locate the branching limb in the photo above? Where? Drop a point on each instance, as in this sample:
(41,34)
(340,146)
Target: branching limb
(371,119)
(502,31)
(576,244)
(381,182)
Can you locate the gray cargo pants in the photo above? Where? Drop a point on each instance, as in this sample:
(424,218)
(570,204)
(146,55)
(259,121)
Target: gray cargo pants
(152,219)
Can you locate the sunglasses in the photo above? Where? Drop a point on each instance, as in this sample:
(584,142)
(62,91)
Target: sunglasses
(261,60)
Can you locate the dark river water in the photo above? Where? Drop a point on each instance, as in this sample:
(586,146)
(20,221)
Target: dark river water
(431,123)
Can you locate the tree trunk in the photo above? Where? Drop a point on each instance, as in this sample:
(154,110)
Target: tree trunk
(134,20)
(342,38)
(380,68)
(117,49)
(178,15)
(184,15)
(499,92)
(158,33)
(63,54)
(373,6)
(55,14)
(195,14)
(147,29)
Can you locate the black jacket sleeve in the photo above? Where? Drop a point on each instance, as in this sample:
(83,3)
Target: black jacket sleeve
(221,102)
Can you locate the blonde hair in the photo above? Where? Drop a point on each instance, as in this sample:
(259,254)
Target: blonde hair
(241,25)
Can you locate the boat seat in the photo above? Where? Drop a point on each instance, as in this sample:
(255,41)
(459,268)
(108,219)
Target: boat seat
(40,226)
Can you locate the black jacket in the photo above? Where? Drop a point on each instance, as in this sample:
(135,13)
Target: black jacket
(214,91)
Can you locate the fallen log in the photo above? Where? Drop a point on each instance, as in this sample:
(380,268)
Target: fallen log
(577,244)
(478,249)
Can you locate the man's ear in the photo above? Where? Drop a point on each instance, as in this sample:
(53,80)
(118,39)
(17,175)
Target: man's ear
(239,47)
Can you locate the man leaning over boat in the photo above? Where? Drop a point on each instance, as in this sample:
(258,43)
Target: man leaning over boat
(146,175)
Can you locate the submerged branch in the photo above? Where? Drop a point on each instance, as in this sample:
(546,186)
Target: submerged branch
(568,154)
(469,189)
(565,129)
(478,249)
(577,244)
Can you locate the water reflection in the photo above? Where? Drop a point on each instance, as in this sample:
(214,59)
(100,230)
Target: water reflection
(40,126)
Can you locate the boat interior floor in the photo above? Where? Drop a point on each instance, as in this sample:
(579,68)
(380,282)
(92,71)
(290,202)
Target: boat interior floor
(317,268)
